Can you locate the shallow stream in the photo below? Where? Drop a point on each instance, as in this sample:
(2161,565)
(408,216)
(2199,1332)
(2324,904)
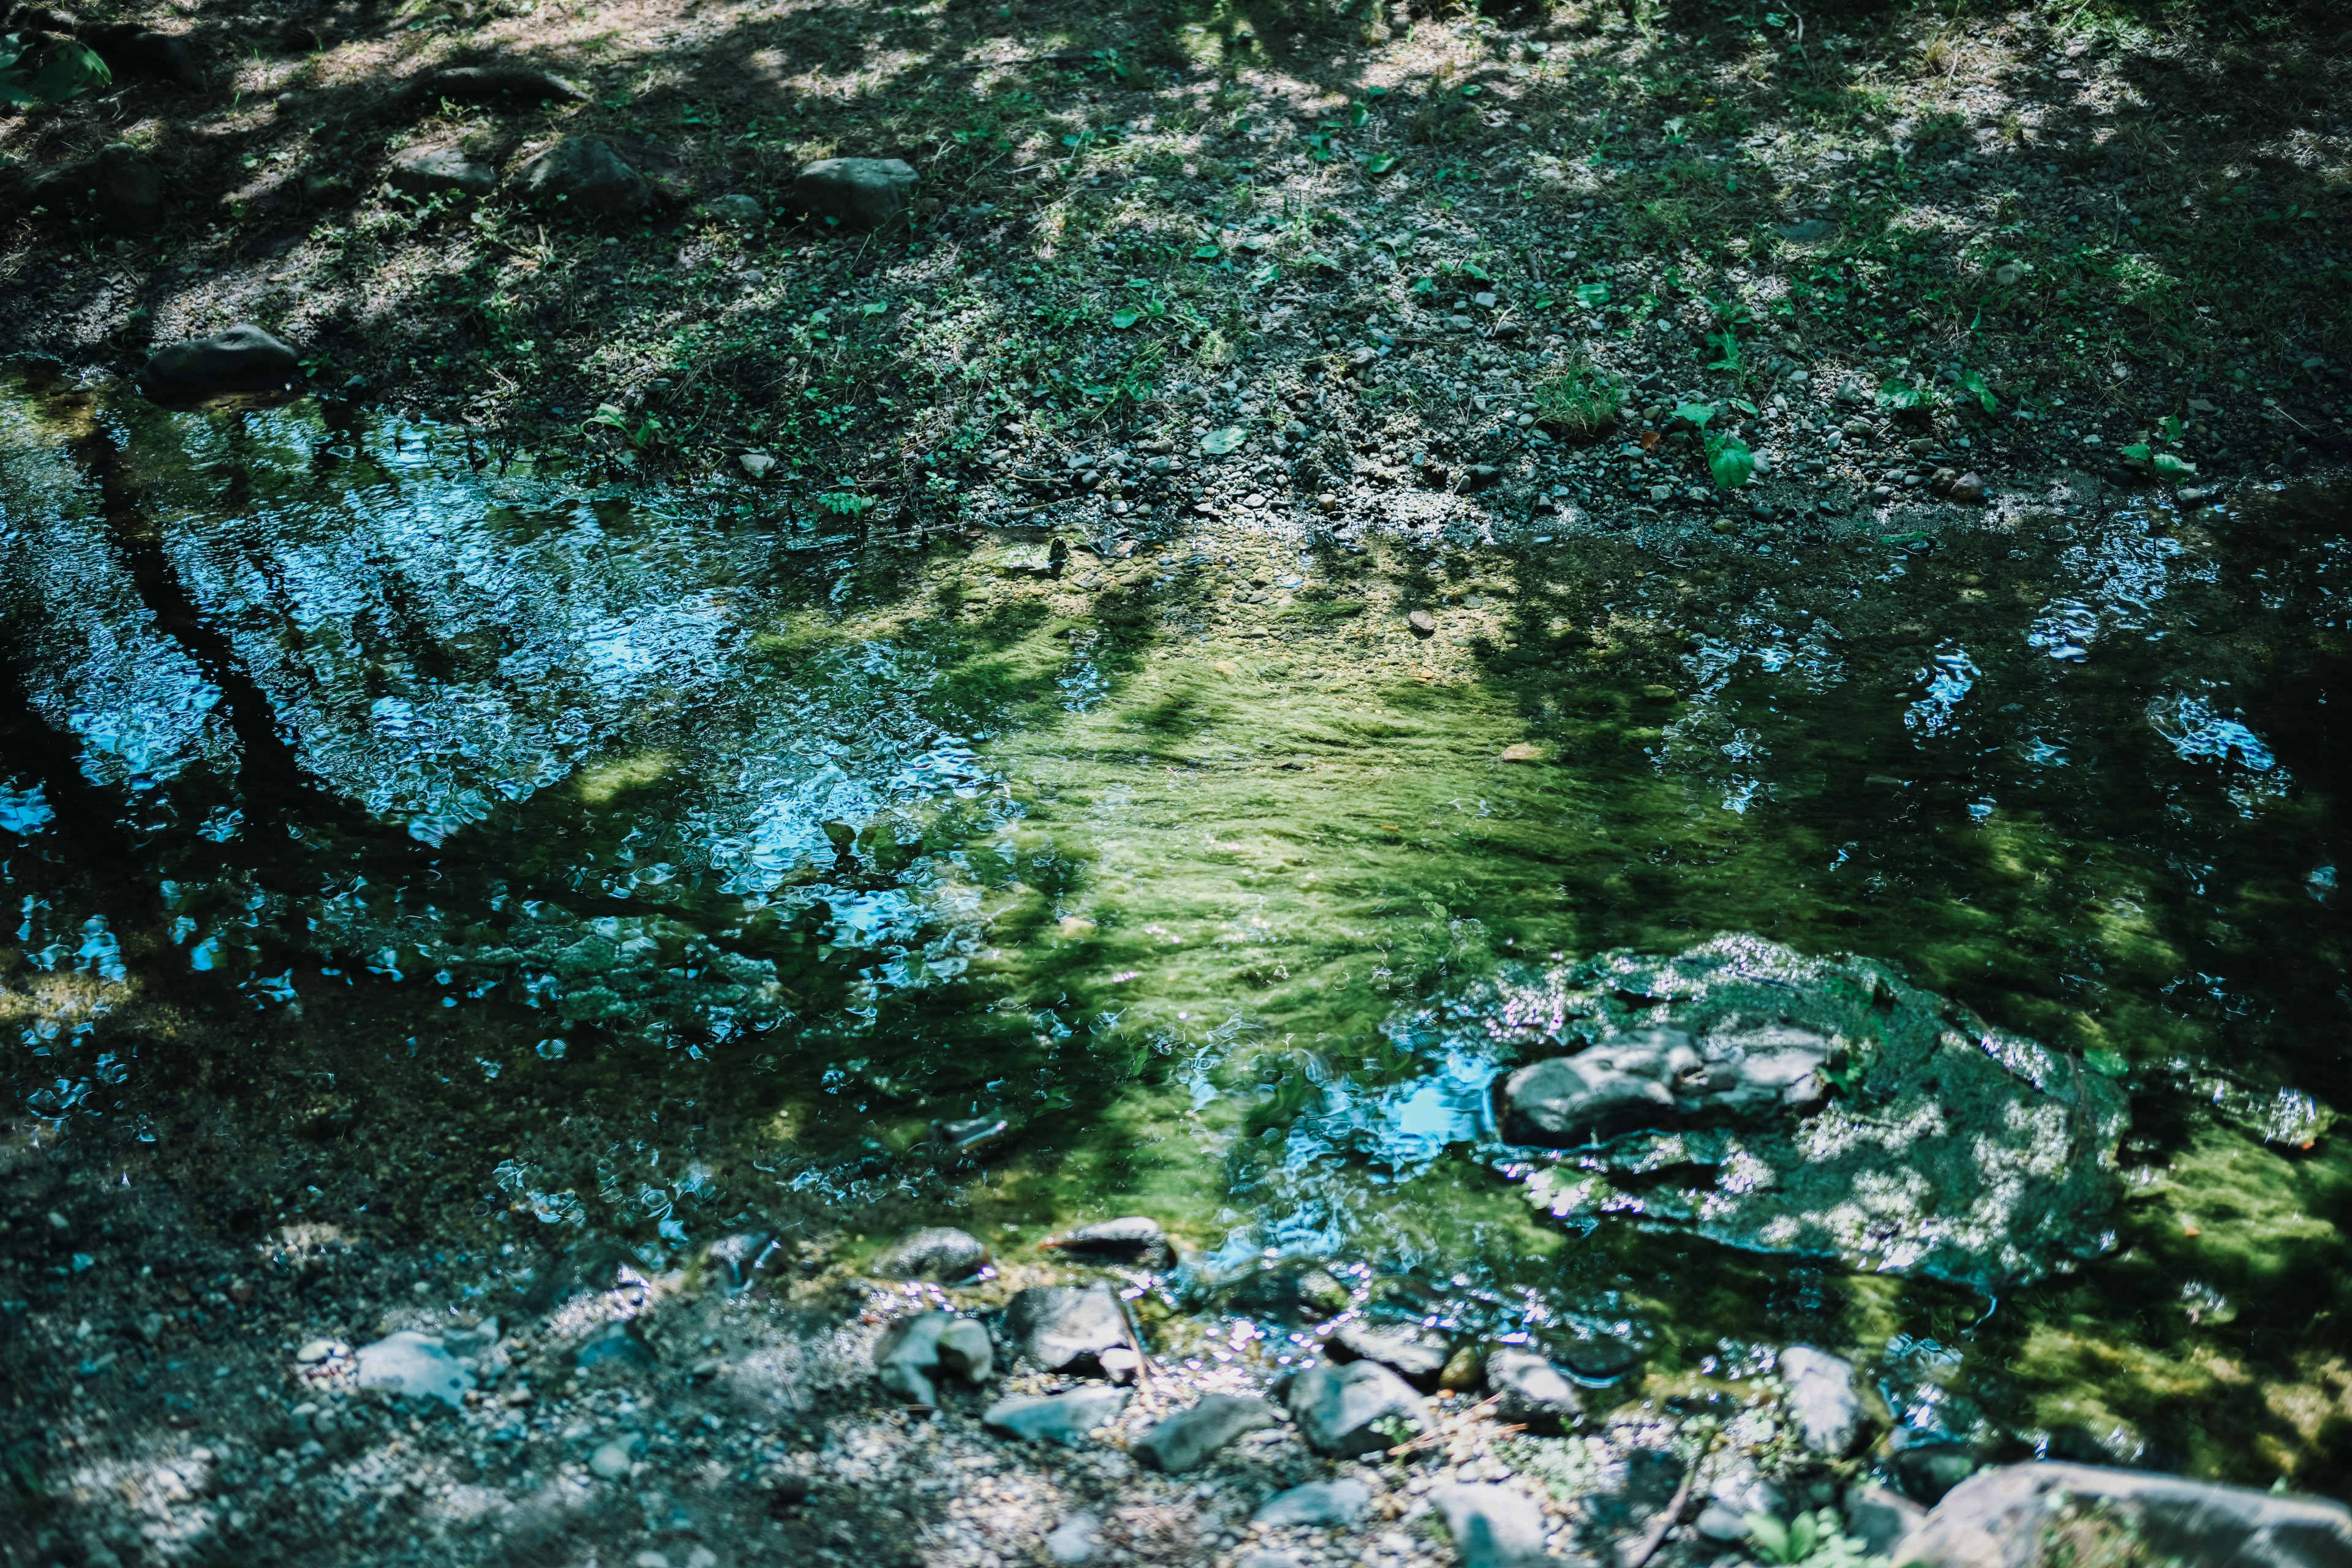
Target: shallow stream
(1013,900)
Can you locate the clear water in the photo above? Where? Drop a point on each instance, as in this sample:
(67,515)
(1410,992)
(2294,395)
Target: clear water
(975,896)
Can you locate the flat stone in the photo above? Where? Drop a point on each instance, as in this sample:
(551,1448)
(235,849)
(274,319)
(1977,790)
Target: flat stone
(243,358)
(610,1460)
(424,171)
(614,1345)
(1805,231)
(735,207)
(414,1366)
(584,175)
(1999,1520)
(1532,1392)
(864,192)
(1191,1437)
(1316,1504)
(938,1252)
(1341,1409)
(1417,1356)
(1059,1327)
(1136,1238)
(1880,1517)
(1422,622)
(1063,1418)
(493,84)
(914,1353)
(1821,1399)
(1492,1527)
(120,188)
(1075,1539)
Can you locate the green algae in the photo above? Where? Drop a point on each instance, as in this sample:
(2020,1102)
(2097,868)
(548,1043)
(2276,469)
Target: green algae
(869,842)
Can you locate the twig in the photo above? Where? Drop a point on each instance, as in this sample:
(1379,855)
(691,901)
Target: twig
(1667,1518)
(1134,1341)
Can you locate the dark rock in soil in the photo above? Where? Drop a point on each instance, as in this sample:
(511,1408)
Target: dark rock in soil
(498,84)
(1359,1408)
(939,1252)
(1133,1239)
(130,49)
(1533,1392)
(1063,1418)
(425,171)
(243,358)
(584,175)
(1412,1353)
(1191,1437)
(120,188)
(862,193)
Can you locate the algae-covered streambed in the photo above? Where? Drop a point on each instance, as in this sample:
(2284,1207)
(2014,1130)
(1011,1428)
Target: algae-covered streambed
(1186,879)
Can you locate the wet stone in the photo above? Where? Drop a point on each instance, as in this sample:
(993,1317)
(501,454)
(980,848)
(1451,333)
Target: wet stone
(1135,1239)
(1532,1392)
(1191,1437)
(1414,1354)
(2001,1518)
(615,1345)
(1063,1418)
(1880,1517)
(1359,1408)
(1061,1327)
(243,358)
(1316,1504)
(1658,1078)
(938,1252)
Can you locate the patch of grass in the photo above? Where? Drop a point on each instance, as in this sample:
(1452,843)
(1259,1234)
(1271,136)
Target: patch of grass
(1580,400)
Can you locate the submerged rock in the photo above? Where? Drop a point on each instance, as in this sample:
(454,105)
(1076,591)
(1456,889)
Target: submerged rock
(413,1366)
(2005,1518)
(1791,1104)
(243,358)
(1059,1327)
(1063,1419)
(1135,1239)
(1191,1437)
(1359,1408)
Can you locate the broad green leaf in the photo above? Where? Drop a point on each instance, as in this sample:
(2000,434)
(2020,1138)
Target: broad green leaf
(1477,271)
(1125,319)
(2101,1060)
(1359,115)
(1804,1533)
(1261,276)
(1225,439)
(1382,164)
(1424,287)
(1695,415)
(874,307)
(1316,258)
(1972,381)
(1592,296)
(1770,1536)
(1730,461)
(1743,405)
(1901,398)
(2173,467)
(2139,452)
(1206,253)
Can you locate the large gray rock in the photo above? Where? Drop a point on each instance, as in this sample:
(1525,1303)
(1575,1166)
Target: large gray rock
(938,1252)
(584,175)
(1532,1392)
(120,189)
(914,1353)
(427,171)
(1316,1504)
(1821,1399)
(2001,1519)
(498,84)
(1061,1327)
(1416,1354)
(864,192)
(1359,1408)
(1492,1527)
(417,1366)
(243,358)
(1191,1437)
(1880,1517)
(1063,1418)
(1659,1078)
(1134,1239)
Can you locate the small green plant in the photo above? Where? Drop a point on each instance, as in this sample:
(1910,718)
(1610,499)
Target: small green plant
(2164,465)
(1808,1541)
(1898,398)
(647,435)
(1579,400)
(1971,382)
(1726,343)
(47,70)
(1730,461)
(845,504)
(1695,415)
